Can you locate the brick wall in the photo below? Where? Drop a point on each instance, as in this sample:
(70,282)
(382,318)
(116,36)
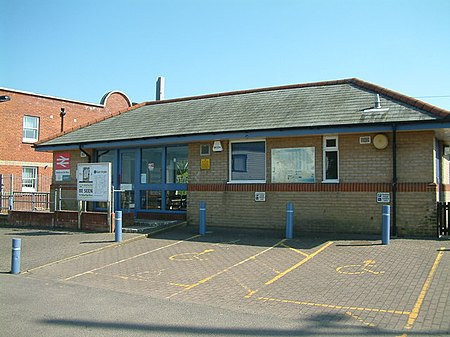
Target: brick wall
(349,207)
(14,153)
(90,221)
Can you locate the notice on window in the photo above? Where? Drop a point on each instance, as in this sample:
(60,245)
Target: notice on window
(94,182)
(293,165)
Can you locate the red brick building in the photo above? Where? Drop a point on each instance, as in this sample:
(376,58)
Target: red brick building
(29,117)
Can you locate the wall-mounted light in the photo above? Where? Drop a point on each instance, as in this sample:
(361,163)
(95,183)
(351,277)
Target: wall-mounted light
(217,147)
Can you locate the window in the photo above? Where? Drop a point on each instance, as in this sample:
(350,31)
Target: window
(29,179)
(30,129)
(330,159)
(248,161)
(152,165)
(177,167)
(204,150)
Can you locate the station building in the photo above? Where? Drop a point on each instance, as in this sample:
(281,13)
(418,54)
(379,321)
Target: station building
(338,150)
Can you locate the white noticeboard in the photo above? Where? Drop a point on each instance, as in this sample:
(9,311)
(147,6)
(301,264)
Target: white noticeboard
(293,165)
(94,182)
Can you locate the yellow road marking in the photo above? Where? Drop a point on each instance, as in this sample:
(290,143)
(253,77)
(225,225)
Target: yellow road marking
(86,253)
(190,256)
(287,271)
(295,250)
(209,278)
(129,258)
(179,285)
(309,257)
(415,311)
(359,319)
(331,306)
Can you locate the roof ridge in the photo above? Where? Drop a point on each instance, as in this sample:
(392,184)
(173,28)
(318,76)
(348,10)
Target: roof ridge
(250,91)
(354,80)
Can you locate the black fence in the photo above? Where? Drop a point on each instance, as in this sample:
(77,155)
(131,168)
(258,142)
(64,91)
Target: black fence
(443,218)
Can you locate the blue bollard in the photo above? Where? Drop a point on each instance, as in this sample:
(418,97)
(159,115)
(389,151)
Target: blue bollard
(386,224)
(15,257)
(289,220)
(118,226)
(202,229)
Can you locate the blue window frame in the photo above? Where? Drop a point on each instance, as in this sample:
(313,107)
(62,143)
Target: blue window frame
(158,182)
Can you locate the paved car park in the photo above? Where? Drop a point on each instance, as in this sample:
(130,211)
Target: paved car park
(400,289)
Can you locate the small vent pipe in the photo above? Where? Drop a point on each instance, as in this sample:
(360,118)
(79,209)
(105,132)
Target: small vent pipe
(160,84)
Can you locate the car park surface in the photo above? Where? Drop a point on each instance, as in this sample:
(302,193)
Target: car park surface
(350,285)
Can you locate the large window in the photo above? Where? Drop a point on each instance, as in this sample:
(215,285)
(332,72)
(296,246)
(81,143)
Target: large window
(177,165)
(29,179)
(248,161)
(30,129)
(330,159)
(127,181)
(164,175)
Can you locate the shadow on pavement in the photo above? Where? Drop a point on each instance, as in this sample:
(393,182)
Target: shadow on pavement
(317,325)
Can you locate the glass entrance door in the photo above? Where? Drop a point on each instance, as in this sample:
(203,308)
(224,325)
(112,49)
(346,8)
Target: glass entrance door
(127,181)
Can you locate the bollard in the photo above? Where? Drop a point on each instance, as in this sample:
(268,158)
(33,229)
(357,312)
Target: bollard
(202,229)
(289,220)
(15,256)
(386,224)
(118,226)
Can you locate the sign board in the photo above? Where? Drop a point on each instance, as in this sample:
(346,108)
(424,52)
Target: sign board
(94,182)
(293,165)
(383,197)
(205,164)
(62,166)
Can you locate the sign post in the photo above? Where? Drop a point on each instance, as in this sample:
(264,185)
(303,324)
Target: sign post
(94,184)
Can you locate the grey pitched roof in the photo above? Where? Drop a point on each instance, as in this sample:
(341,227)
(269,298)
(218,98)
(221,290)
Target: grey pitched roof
(321,104)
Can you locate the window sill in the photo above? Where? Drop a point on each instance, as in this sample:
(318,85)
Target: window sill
(336,181)
(246,182)
(29,141)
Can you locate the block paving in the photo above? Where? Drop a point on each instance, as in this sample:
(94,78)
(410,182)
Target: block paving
(399,289)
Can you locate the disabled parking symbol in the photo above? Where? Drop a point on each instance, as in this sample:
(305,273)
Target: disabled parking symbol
(357,269)
(191,256)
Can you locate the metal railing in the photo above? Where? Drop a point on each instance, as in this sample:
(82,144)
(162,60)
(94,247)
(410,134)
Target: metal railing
(14,196)
(25,201)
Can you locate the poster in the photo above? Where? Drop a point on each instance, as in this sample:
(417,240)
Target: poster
(94,182)
(293,165)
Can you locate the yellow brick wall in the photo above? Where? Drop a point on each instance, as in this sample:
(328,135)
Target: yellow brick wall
(352,211)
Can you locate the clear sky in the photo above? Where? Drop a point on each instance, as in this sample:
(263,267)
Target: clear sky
(81,49)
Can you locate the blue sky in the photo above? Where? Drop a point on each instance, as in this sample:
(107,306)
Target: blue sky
(81,49)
